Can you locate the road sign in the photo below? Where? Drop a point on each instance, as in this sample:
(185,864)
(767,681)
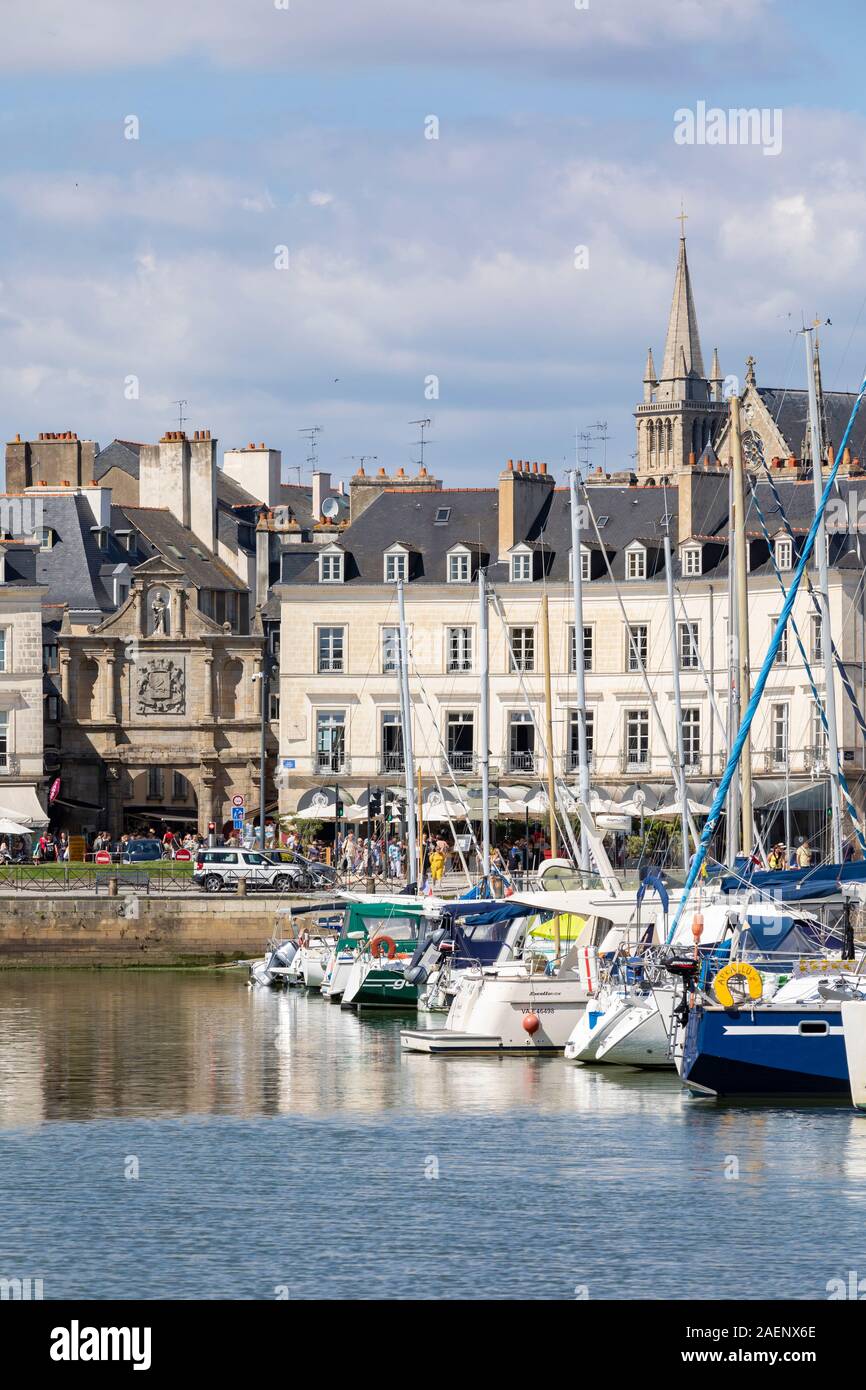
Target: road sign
(289,763)
(102,856)
(238,817)
(237,800)
(183,854)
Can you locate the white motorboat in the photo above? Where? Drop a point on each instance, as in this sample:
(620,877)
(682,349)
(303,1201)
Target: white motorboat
(506,1008)
(271,969)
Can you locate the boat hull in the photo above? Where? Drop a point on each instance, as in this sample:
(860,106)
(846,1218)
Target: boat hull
(854,1030)
(489,1010)
(765,1051)
(638,1039)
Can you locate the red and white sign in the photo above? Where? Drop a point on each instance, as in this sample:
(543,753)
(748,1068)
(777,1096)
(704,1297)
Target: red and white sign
(54,792)
(103,856)
(182,854)
(237,800)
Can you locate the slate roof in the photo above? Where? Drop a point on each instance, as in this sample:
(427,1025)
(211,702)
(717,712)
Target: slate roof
(162,534)
(72,567)
(632,513)
(120,453)
(231,494)
(790,411)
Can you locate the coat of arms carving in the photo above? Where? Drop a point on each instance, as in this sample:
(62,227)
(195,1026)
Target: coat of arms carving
(161,688)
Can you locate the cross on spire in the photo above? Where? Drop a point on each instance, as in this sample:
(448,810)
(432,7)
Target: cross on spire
(682,219)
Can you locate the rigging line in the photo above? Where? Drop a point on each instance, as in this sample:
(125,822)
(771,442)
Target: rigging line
(434,725)
(703,670)
(635,652)
(712,821)
(810,589)
(841,778)
(562,822)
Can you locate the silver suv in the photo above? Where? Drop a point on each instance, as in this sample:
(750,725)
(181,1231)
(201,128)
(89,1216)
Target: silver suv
(221,868)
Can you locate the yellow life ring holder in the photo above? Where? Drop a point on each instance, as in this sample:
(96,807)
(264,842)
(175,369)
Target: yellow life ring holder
(737,970)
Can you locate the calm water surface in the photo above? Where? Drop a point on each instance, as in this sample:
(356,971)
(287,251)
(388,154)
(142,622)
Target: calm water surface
(283,1146)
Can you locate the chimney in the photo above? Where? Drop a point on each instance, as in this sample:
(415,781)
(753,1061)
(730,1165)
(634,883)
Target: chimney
(202,489)
(164,475)
(321,490)
(523,492)
(258,470)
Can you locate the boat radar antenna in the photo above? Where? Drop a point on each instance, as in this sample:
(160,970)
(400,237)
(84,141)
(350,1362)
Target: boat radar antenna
(181,418)
(423,425)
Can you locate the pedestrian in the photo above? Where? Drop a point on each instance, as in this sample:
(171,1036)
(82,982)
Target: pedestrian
(393,859)
(437,867)
(804,854)
(777,858)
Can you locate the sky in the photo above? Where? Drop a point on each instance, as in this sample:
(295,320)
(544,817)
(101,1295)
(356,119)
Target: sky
(282,245)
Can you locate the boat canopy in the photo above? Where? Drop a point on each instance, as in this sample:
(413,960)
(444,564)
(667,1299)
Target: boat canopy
(799,885)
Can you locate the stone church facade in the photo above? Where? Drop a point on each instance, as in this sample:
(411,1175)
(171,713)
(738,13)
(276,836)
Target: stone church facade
(160,709)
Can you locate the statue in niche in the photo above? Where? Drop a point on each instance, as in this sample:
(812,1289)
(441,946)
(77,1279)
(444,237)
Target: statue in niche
(159,611)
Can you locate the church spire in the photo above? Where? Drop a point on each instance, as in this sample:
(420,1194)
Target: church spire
(716,378)
(650,380)
(682,343)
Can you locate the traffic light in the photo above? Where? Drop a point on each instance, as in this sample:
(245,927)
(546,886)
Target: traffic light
(374,805)
(339,809)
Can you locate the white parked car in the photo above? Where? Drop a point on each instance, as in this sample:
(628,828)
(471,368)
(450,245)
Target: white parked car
(221,868)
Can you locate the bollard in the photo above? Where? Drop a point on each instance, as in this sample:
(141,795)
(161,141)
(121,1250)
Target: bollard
(242,888)
(112,887)
(371,884)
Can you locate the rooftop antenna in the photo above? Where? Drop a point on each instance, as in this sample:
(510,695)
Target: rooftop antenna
(181,418)
(583,447)
(424,425)
(361,459)
(603,437)
(311,434)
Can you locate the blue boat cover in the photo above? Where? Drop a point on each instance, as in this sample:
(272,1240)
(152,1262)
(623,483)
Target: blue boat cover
(793,885)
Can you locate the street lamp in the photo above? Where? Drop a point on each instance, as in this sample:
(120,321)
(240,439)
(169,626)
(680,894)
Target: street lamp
(265,677)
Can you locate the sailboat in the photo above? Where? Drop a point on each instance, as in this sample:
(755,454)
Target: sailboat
(854,1033)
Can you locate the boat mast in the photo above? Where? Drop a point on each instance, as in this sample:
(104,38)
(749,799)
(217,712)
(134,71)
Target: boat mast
(548,726)
(742,617)
(733,804)
(678,703)
(408,759)
(824,596)
(580,673)
(484,732)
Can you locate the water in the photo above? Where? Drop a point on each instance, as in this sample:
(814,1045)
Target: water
(284,1148)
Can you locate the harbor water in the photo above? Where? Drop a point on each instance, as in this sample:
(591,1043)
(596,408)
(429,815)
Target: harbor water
(178,1135)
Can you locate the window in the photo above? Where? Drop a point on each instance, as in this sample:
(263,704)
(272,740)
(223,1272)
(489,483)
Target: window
(154,783)
(819,733)
(636,738)
(635,563)
(781,658)
(585,556)
(687,640)
(521,742)
(179,787)
(784,554)
(273,708)
(46,537)
(691,560)
(817,642)
(637,641)
(587,648)
(460,740)
(442,516)
(459,570)
(779,734)
(459,648)
(574,739)
(49,656)
(4,738)
(521,568)
(122,594)
(331,648)
(331,741)
(522,641)
(396,567)
(390,650)
(392,741)
(3,649)
(52,708)
(692,736)
(331,569)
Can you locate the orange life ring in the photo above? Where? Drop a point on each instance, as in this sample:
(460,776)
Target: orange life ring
(383,943)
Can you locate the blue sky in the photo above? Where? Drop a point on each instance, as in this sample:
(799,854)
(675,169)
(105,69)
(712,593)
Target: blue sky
(411,258)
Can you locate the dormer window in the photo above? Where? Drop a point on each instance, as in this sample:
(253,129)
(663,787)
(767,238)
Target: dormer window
(521,567)
(635,562)
(396,566)
(459,567)
(784,553)
(691,560)
(331,567)
(585,558)
(126,539)
(100,535)
(46,537)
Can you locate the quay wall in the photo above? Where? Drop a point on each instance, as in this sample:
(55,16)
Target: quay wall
(65,929)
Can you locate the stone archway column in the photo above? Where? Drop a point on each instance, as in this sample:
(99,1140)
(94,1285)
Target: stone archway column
(206,797)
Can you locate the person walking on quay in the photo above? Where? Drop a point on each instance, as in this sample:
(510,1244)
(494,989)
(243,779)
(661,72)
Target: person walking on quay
(437,867)
(394,859)
(804,854)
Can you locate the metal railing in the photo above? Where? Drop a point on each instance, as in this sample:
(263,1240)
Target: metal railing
(392,762)
(522,761)
(459,761)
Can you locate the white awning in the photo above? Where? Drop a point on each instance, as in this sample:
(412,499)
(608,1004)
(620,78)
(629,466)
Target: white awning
(22,804)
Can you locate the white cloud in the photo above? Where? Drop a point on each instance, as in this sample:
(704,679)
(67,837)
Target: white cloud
(40,35)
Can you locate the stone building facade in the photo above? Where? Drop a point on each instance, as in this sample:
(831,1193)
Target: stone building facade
(22,783)
(160,712)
